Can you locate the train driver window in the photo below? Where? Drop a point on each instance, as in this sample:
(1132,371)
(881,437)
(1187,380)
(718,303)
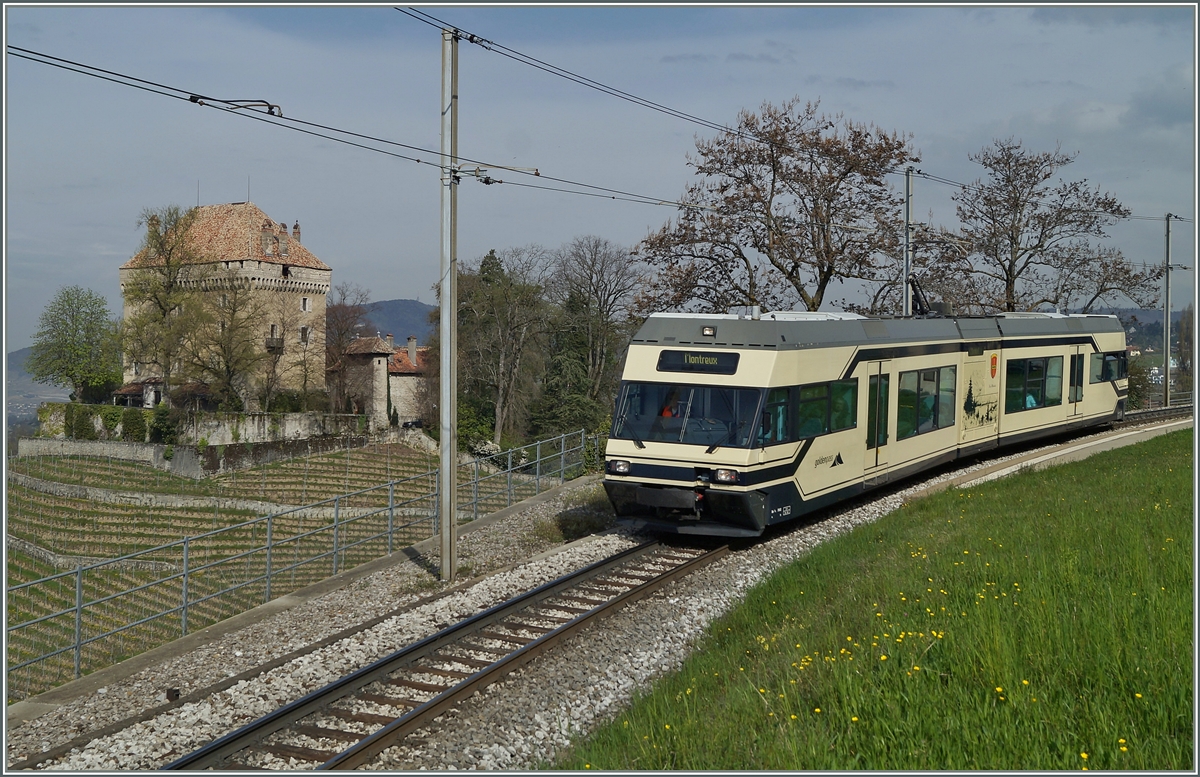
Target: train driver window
(1108,366)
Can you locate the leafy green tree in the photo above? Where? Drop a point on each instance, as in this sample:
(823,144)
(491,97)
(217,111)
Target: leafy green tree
(76,345)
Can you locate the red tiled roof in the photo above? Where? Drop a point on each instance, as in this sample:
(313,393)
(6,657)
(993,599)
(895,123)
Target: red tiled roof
(399,363)
(368,345)
(233,232)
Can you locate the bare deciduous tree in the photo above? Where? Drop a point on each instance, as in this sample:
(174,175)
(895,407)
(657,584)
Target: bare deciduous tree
(159,289)
(345,317)
(1030,241)
(790,202)
(596,279)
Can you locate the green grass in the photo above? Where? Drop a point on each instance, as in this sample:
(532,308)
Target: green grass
(1042,621)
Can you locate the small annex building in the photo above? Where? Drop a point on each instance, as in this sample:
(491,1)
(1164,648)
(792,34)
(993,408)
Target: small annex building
(406,373)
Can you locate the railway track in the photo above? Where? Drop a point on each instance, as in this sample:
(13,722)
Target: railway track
(350,721)
(1150,416)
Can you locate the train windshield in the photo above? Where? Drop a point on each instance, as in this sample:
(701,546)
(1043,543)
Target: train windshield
(695,415)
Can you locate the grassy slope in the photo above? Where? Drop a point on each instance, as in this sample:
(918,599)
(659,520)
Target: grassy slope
(1043,621)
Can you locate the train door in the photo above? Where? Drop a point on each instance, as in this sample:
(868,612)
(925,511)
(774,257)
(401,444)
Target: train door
(1075,380)
(875,463)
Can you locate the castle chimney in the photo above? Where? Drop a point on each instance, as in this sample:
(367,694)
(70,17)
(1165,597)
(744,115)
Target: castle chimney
(268,238)
(389,342)
(296,232)
(283,239)
(412,350)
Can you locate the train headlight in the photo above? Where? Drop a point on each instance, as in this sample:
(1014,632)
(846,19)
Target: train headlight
(727,476)
(618,467)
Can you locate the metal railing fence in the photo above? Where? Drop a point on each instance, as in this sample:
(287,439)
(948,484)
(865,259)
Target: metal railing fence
(68,624)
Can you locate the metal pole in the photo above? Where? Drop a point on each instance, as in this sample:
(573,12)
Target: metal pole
(448,501)
(185,585)
(269,537)
(78,620)
(475,493)
(905,290)
(391,514)
(337,501)
(562,459)
(1167,321)
(508,474)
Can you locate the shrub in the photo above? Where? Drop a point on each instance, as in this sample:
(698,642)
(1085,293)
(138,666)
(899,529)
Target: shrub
(69,419)
(82,425)
(133,425)
(111,416)
(163,427)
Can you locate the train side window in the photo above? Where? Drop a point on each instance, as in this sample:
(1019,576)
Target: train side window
(812,410)
(843,404)
(945,403)
(1054,380)
(1032,383)
(925,401)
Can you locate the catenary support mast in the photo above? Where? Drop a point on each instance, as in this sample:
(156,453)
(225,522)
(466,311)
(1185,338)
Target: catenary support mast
(448,409)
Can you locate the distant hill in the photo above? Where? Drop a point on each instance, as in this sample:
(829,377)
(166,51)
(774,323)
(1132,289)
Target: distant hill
(401,318)
(24,395)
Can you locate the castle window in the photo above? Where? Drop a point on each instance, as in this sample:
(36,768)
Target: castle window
(306,304)
(304,335)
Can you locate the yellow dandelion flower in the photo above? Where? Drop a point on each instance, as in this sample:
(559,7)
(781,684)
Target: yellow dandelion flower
(1083,756)
(883,658)
(667,726)
(1024,682)
(817,710)
(998,689)
(854,720)
(1138,695)
(793,717)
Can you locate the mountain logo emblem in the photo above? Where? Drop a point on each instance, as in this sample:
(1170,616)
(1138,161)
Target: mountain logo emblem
(837,460)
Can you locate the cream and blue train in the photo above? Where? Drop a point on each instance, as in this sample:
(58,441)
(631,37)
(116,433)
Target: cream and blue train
(726,424)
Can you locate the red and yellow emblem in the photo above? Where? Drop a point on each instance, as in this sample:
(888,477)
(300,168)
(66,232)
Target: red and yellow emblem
(994,358)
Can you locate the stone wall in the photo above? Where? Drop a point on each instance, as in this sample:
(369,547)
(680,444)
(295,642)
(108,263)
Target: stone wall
(234,428)
(190,461)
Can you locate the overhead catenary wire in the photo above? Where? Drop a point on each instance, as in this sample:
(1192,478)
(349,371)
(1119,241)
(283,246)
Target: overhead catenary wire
(517,56)
(288,122)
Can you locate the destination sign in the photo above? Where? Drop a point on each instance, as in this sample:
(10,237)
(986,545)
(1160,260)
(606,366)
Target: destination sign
(719,363)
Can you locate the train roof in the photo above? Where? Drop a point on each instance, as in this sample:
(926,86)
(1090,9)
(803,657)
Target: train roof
(787,330)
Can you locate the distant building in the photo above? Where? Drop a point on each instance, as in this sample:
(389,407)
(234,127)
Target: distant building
(406,371)
(256,253)
(367,378)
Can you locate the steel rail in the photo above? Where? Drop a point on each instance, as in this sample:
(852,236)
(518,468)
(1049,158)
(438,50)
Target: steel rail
(218,753)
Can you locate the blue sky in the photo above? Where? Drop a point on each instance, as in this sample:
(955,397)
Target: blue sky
(84,157)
